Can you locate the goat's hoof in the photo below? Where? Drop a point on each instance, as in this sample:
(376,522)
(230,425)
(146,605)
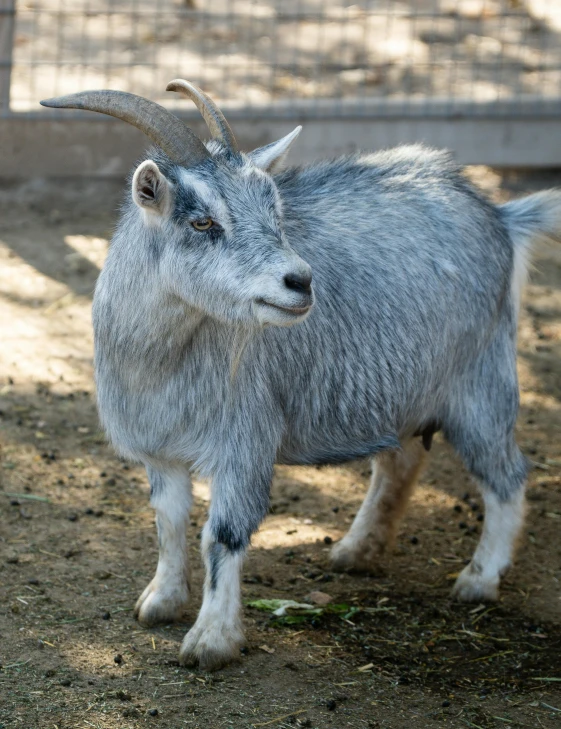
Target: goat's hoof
(157,605)
(473,586)
(353,557)
(211,648)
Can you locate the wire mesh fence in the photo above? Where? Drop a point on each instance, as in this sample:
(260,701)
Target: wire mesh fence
(372,57)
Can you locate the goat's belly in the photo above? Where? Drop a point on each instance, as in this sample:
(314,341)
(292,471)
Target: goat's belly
(334,454)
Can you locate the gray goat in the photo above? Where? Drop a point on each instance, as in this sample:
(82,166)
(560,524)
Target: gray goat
(410,328)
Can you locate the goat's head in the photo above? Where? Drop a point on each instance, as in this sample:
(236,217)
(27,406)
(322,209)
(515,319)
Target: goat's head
(213,216)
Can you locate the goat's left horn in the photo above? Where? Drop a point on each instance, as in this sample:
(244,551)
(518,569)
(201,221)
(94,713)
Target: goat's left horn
(159,124)
(214,118)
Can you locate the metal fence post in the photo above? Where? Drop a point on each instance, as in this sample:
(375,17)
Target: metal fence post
(7,24)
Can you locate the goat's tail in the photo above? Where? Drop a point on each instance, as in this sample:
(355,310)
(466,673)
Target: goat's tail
(530,219)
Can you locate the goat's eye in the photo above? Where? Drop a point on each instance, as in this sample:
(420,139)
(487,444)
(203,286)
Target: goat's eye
(203,224)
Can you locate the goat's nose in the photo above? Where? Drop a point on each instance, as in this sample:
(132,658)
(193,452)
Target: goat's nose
(299,282)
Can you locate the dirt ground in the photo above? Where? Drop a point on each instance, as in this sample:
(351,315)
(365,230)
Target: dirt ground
(78,545)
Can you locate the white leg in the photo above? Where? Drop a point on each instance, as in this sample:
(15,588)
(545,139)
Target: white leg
(217,636)
(374,528)
(165,598)
(503,520)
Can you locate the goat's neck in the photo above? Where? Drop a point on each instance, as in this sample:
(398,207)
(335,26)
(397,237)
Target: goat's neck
(136,321)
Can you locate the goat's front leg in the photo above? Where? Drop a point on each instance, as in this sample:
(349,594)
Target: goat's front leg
(165,598)
(239,503)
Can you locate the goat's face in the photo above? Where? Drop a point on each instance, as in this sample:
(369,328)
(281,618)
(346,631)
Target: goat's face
(216,232)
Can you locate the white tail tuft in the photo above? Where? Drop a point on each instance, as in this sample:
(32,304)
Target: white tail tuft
(528,220)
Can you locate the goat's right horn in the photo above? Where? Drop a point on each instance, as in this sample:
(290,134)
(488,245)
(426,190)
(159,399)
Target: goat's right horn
(167,131)
(214,118)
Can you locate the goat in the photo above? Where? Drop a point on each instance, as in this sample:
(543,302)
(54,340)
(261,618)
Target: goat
(214,354)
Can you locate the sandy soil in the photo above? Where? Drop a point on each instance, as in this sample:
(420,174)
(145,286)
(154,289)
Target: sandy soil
(78,545)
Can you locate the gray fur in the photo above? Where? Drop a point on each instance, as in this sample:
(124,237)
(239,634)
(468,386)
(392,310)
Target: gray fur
(414,323)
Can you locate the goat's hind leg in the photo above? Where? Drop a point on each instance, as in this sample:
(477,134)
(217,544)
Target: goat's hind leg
(165,598)
(483,434)
(501,474)
(393,478)
(492,558)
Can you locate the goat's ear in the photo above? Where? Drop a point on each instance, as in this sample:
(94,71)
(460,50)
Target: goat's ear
(150,189)
(271,157)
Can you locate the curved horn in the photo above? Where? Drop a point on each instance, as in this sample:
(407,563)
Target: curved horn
(214,118)
(164,128)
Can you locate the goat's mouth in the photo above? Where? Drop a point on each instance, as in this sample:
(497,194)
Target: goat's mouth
(294,310)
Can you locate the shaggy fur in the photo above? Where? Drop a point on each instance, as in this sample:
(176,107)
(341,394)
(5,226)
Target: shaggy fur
(412,322)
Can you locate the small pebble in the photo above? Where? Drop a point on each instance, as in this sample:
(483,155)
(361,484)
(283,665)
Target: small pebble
(118,659)
(328,540)
(153,712)
(32,581)
(319,598)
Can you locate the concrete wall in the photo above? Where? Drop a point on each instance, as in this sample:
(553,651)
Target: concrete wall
(105,148)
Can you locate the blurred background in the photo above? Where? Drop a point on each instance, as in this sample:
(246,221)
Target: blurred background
(482,77)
